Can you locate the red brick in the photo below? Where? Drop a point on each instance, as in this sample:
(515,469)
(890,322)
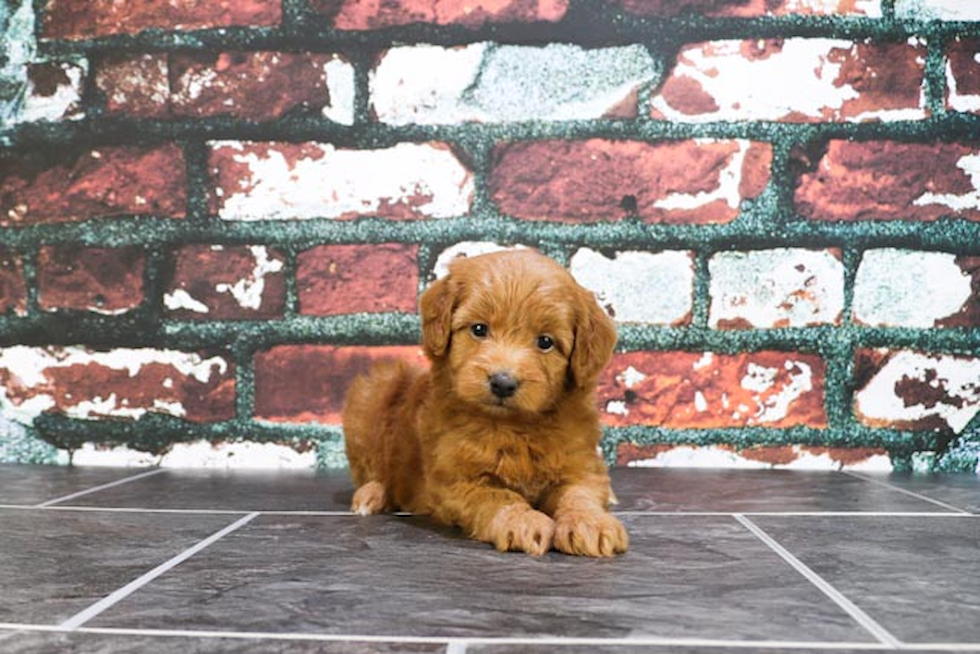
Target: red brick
(103,280)
(358,15)
(689,390)
(117,384)
(13,289)
(745,8)
(246,85)
(600,180)
(67,19)
(137,86)
(103,182)
(307,383)
(963,75)
(336,279)
(888,180)
(227,282)
(834,80)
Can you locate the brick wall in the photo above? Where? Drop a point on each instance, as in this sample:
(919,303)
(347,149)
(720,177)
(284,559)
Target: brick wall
(214,214)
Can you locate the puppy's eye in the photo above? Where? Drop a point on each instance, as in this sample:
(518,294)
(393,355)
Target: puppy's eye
(479,330)
(545,343)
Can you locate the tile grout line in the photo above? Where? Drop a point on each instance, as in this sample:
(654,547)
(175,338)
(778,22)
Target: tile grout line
(866,621)
(119,594)
(917,496)
(95,489)
(627,513)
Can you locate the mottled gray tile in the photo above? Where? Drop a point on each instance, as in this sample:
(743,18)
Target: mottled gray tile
(34,484)
(27,642)
(55,563)
(749,491)
(671,649)
(237,490)
(684,577)
(918,577)
(960,490)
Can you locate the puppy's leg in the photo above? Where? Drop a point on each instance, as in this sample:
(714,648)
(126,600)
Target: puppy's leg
(370,431)
(497,516)
(582,524)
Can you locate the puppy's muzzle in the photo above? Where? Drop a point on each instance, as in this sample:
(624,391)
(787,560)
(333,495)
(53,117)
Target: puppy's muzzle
(503,385)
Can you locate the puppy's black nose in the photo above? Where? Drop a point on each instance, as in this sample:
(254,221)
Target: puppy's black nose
(503,384)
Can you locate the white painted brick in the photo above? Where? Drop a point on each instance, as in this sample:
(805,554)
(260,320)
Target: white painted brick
(501,83)
(890,397)
(790,287)
(800,81)
(313,180)
(938,9)
(908,288)
(639,287)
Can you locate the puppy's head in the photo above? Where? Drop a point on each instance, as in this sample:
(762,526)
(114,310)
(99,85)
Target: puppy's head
(514,332)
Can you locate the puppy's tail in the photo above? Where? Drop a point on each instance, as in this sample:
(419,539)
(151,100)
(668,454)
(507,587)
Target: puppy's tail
(372,430)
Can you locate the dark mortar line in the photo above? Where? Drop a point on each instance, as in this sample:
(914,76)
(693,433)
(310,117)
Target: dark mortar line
(29,261)
(304,31)
(888,11)
(291,306)
(82,135)
(157,275)
(893,441)
(827,341)
(935,75)
(701,293)
(745,233)
(198,179)
(243,357)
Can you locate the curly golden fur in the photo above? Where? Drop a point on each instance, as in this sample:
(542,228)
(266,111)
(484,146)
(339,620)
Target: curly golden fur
(500,436)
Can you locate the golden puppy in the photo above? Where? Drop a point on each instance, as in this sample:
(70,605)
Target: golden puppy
(500,436)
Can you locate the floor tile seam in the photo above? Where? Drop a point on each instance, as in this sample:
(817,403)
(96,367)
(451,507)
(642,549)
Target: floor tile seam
(489,640)
(101,487)
(627,513)
(918,496)
(83,616)
(868,623)
(448,640)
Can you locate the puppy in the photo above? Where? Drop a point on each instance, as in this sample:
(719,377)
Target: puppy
(499,437)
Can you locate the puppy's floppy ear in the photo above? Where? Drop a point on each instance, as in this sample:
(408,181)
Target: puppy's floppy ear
(595,338)
(436,307)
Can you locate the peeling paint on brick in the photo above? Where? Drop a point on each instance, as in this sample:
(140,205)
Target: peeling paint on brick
(54,92)
(963,75)
(789,287)
(913,390)
(791,457)
(499,83)
(285,181)
(120,383)
(776,389)
(639,287)
(832,80)
(908,288)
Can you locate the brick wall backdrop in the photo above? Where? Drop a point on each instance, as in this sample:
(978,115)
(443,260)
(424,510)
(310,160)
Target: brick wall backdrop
(215,213)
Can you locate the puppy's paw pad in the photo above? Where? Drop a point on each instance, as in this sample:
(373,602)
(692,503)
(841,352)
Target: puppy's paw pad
(590,534)
(368,499)
(522,529)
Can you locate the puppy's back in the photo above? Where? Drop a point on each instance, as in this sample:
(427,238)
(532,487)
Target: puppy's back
(380,437)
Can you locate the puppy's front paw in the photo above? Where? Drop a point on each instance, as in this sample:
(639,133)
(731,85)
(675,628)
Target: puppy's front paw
(520,528)
(369,498)
(590,533)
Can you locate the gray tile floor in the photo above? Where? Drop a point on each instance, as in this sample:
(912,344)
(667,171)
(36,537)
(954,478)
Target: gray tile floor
(721,561)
